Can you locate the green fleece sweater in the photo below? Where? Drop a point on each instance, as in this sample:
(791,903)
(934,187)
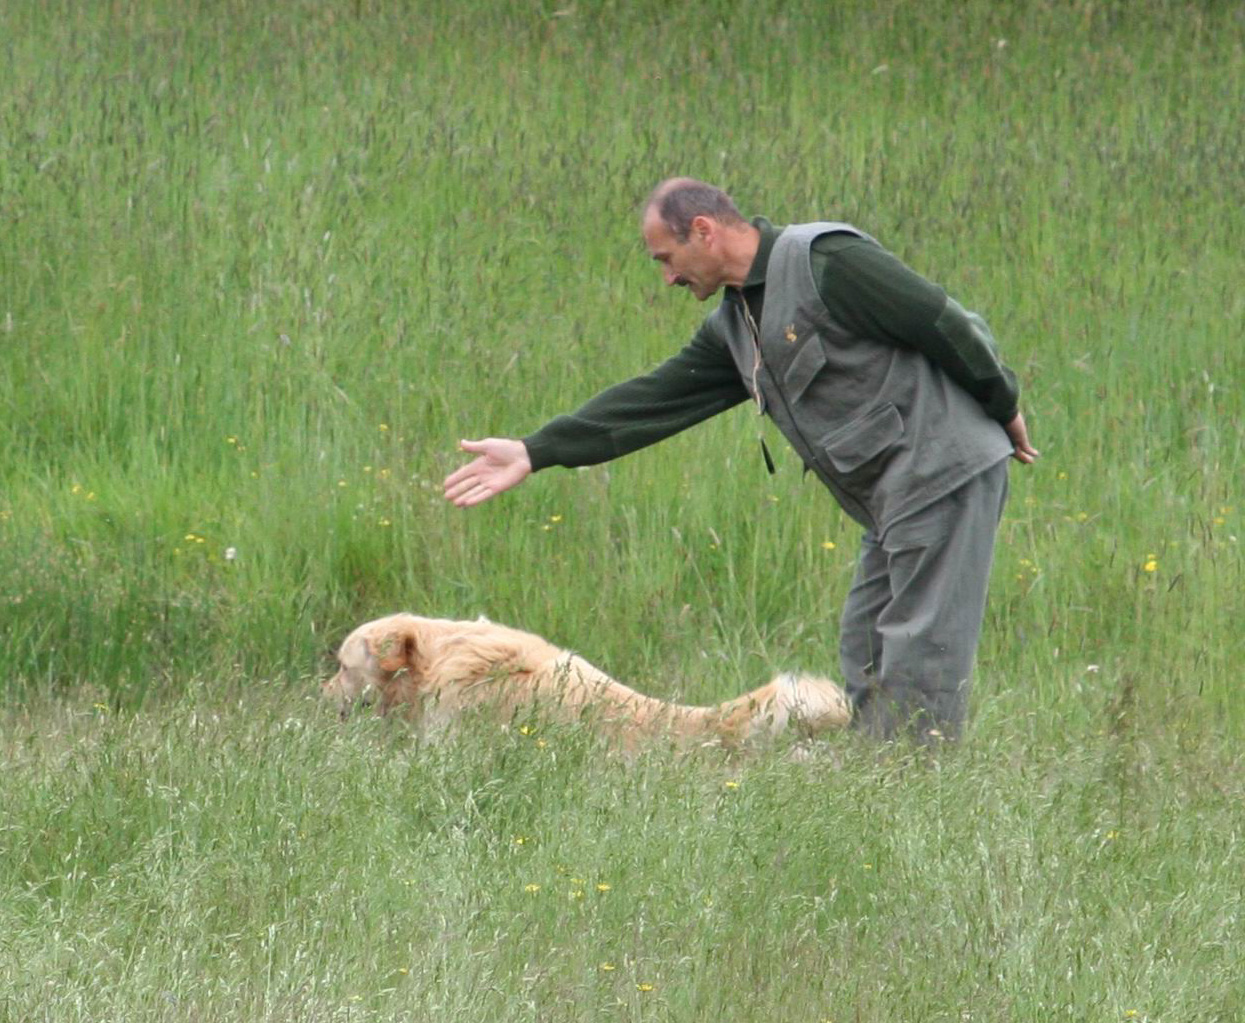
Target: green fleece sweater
(864,287)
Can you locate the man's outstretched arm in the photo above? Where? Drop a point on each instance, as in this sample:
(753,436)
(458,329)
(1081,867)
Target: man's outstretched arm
(698,382)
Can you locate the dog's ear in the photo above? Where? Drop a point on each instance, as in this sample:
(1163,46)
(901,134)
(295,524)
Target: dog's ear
(394,649)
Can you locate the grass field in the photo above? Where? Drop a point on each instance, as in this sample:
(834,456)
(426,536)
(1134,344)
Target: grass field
(263,265)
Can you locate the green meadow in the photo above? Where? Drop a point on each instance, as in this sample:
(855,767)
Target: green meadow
(263,265)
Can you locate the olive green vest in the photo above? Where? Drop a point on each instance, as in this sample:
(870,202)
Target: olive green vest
(882,426)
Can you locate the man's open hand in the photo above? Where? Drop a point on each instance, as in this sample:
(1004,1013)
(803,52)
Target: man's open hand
(501,464)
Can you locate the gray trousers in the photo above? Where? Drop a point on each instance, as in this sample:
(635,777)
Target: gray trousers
(913,615)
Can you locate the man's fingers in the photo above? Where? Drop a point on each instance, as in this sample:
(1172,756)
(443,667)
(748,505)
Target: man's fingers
(459,476)
(469,486)
(464,484)
(472,495)
(1025,452)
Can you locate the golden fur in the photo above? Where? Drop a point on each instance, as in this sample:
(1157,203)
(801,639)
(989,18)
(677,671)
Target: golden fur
(433,669)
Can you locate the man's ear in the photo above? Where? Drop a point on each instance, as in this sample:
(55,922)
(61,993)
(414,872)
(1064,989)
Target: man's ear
(703,228)
(394,649)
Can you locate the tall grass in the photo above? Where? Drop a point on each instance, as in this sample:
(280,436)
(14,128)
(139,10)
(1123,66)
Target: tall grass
(246,858)
(264,265)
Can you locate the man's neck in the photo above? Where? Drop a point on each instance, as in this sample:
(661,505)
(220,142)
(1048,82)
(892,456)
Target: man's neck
(740,252)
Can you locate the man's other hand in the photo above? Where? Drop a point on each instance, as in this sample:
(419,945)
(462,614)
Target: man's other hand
(1022,450)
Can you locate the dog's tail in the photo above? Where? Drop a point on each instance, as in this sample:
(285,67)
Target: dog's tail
(812,704)
(805,704)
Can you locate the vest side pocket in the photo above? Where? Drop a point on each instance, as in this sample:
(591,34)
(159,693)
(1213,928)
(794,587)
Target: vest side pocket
(864,438)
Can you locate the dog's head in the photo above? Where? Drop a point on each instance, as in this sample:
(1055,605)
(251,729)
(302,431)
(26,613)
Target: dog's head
(368,661)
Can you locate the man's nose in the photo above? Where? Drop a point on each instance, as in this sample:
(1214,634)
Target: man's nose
(670,276)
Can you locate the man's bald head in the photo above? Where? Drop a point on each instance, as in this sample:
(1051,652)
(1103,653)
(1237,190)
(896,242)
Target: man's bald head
(679,201)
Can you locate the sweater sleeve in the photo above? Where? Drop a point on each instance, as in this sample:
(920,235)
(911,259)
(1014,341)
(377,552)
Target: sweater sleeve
(698,382)
(873,292)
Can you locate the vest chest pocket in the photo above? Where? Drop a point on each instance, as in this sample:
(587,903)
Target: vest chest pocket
(851,446)
(807,363)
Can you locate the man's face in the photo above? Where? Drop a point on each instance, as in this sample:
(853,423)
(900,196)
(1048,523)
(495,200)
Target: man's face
(693,264)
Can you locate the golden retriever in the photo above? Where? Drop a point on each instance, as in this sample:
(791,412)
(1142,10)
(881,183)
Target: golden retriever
(433,669)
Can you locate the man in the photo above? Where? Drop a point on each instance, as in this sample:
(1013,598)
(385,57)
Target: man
(891,393)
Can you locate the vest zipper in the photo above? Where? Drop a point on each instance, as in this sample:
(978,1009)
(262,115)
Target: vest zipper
(756,370)
(756,351)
